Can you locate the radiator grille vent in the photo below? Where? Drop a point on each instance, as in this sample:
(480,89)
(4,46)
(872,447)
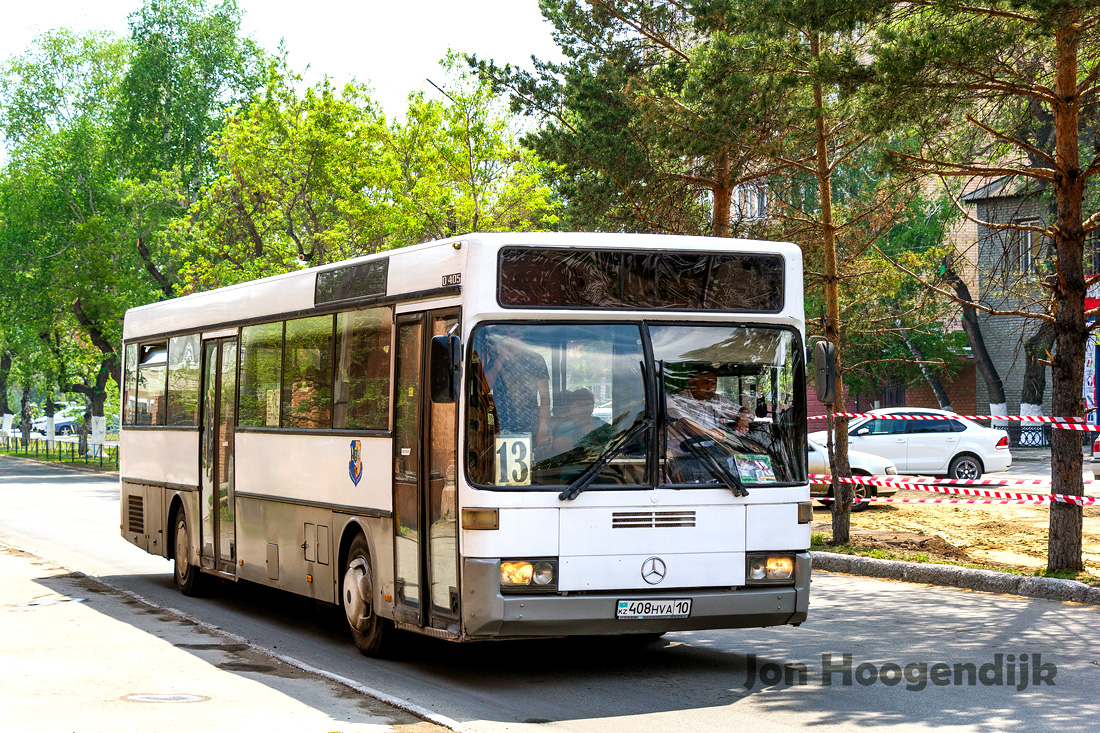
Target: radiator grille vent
(135,513)
(628,520)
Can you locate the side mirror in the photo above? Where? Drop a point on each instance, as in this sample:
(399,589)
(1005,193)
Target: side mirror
(863,431)
(825,371)
(445,368)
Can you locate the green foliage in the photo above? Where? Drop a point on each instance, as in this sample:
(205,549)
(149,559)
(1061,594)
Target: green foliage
(651,132)
(106,141)
(310,178)
(188,68)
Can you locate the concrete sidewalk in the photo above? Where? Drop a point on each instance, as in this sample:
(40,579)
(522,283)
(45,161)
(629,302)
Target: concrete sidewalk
(76,655)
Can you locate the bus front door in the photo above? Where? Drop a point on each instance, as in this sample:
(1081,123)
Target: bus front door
(219,418)
(425,500)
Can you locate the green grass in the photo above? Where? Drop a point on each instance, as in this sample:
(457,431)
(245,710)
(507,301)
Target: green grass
(63,459)
(820,542)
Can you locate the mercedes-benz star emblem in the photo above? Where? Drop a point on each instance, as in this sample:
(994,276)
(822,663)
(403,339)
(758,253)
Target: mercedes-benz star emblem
(653,570)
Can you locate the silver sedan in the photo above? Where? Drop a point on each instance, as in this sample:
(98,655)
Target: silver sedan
(862,464)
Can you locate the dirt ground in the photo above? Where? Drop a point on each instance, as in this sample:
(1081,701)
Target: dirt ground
(1012,535)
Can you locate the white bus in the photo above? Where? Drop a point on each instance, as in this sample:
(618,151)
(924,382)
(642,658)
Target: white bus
(486,437)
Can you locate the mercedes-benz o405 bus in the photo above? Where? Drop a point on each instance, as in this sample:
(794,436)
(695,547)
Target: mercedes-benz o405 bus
(492,436)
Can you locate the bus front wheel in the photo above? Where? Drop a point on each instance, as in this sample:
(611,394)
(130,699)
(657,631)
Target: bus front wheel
(188,577)
(369,630)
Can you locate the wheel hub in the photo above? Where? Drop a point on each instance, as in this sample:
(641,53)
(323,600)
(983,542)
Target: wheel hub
(181,549)
(358,592)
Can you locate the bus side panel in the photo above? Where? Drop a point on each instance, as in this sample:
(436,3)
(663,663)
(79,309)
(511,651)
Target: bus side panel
(160,455)
(316,468)
(417,269)
(286,546)
(143,517)
(775,527)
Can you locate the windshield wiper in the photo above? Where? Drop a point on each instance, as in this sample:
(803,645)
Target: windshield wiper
(581,483)
(707,458)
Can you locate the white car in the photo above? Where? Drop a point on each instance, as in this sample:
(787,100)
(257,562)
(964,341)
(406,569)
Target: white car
(862,464)
(953,447)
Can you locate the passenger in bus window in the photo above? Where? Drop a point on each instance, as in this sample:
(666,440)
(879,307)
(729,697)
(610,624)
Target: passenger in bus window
(520,385)
(578,422)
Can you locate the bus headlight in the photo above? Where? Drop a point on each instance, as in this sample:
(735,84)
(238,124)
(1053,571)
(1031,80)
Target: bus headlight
(529,576)
(516,572)
(765,569)
(544,573)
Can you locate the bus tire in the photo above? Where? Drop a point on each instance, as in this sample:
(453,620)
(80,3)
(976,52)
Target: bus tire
(188,577)
(370,632)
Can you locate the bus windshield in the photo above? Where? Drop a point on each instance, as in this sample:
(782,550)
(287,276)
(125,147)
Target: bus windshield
(729,399)
(547,400)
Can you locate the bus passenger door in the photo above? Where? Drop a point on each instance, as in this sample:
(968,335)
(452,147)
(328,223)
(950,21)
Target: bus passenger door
(219,418)
(425,483)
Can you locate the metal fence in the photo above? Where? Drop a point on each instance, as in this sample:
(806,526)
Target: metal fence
(103,456)
(1024,435)
(1028,436)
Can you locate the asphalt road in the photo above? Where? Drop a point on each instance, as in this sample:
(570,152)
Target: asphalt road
(759,680)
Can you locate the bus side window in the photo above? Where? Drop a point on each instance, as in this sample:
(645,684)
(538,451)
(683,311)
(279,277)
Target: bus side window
(362,390)
(261,369)
(183,380)
(152,382)
(307,373)
(129,393)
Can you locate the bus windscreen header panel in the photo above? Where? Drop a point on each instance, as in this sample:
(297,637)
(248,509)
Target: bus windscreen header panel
(688,281)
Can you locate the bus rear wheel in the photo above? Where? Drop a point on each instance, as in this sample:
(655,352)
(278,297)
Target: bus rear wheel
(371,632)
(188,577)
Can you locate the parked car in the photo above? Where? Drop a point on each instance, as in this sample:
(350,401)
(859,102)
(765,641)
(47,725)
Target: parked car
(953,447)
(65,421)
(862,464)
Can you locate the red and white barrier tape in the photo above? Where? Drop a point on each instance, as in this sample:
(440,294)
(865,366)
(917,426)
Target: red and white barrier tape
(892,500)
(913,481)
(1017,418)
(1001,496)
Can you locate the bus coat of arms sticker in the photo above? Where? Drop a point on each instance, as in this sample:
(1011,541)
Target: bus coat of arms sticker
(355,465)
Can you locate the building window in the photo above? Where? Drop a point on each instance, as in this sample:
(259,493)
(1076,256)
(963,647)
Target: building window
(750,201)
(1025,251)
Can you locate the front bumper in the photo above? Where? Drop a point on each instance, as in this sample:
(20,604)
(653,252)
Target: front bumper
(493,615)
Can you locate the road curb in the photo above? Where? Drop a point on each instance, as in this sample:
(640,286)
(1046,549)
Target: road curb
(990,581)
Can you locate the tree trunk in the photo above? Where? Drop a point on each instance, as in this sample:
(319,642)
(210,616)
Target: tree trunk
(1035,374)
(5,370)
(974,337)
(838,427)
(1064,545)
(25,414)
(929,376)
(723,197)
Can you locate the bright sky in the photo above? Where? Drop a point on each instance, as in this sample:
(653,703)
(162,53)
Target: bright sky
(393,46)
